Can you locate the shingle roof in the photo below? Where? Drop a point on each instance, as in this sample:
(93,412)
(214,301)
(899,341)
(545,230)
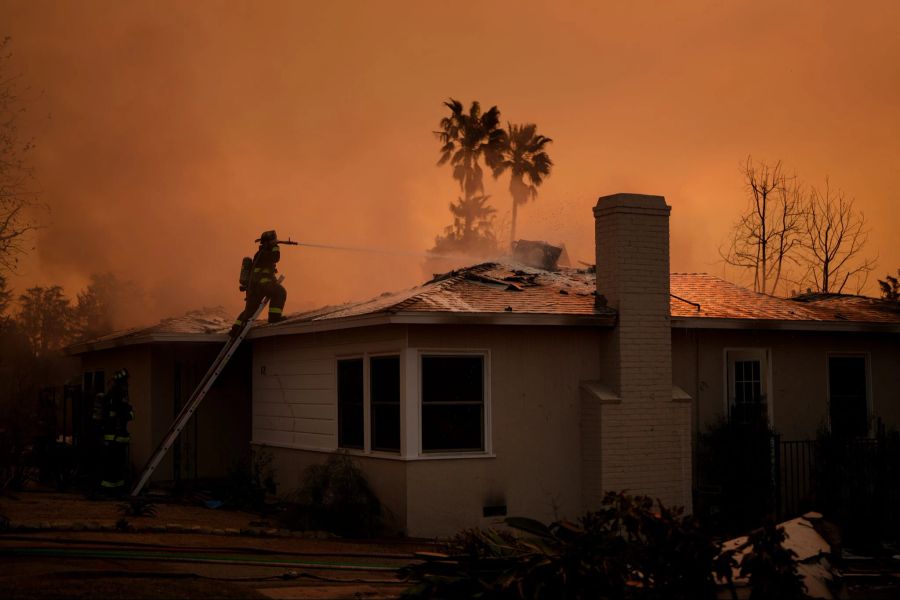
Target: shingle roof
(720,299)
(501,289)
(843,307)
(702,295)
(193,324)
(485,288)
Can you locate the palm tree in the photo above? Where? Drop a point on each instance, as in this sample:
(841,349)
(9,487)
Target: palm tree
(524,157)
(467,139)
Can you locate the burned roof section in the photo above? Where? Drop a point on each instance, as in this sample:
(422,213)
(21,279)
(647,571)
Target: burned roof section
(499,293)
(488,288)
(540,255)
(205,324)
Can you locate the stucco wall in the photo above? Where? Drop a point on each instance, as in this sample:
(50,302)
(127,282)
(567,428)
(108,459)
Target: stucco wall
(799,373)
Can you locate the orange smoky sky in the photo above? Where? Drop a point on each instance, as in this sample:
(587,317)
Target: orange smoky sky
(170,134)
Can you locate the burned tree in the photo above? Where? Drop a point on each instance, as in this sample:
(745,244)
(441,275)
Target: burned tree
(766,237)
(833,239)
(17,195)
(467,140)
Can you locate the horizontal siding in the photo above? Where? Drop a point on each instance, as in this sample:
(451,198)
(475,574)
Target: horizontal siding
(314,411)
(320,381)
(272,409)
(301,366)
(316,426)
(294,385)
(282,396)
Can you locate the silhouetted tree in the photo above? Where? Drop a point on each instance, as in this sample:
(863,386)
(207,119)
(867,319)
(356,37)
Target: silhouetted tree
(523,155)
(45,318)
(467,140)
(833,239)
(5,299)
(95,306)
(765,239)
(478,239)
(890,287)
(17,194)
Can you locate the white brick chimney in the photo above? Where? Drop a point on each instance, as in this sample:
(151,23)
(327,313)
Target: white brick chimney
(644,442)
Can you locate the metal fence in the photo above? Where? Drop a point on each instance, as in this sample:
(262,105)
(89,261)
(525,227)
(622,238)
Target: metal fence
(794,474)
(855,481)
(744,475)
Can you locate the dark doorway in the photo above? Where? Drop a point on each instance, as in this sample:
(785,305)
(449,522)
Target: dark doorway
(847,396)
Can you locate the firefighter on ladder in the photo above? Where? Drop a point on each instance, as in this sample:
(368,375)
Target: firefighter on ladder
(263,283)
(117,412)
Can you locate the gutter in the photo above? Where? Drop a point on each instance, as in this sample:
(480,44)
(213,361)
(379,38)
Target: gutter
(150,338)
(434,318)
(783,325)
(472,318)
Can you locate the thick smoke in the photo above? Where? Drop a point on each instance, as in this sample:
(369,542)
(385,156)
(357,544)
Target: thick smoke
(171,134)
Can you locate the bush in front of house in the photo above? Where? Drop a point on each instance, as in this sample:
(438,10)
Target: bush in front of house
(629,548)
(334,497)
(734,467)
(248,480)
(857,484)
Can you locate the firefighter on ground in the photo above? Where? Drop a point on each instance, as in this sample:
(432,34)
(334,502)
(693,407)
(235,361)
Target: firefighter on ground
(262,283)
(117,413)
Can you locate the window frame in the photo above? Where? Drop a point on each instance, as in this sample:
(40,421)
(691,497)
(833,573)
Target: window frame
(337,399)
(367,449)
(486,420)
(734,354)
(369,406)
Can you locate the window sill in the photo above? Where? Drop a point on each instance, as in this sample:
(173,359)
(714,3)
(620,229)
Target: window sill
(452,455)
(381,455)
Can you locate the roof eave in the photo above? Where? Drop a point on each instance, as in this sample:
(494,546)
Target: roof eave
(435,318)
(151,338)
(506,318)
(783,325)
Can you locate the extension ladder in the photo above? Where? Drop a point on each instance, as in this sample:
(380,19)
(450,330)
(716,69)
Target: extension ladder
(187,411)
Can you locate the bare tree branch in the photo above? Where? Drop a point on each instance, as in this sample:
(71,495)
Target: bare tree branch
(16,174)
(765,238)
(833,241)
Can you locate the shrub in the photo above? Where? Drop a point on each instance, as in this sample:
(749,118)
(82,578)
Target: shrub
(335,497)
(857,484)
(249,479)
(735,459)
(626,549)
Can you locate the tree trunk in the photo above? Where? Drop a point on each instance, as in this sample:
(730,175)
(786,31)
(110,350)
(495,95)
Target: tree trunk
(512,235)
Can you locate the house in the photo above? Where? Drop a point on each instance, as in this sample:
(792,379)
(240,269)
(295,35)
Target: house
(506,389)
